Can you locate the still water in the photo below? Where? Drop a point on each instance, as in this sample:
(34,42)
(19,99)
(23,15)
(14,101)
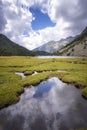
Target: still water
(60,57)
(20,74)
(51,105)
(24,76)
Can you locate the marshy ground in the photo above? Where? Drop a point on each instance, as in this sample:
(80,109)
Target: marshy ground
(70,70)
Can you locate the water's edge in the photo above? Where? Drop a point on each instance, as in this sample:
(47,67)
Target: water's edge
(51,105)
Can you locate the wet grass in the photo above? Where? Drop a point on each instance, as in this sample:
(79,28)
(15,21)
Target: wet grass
(11,85)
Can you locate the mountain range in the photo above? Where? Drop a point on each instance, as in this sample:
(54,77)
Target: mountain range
(54,46)
(78,47)
(9,48)
(71,46)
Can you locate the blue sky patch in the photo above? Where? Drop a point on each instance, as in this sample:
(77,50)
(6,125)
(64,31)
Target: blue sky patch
(41,20)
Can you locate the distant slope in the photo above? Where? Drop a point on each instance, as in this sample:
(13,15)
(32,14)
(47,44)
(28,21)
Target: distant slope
(53,46)
(78,47)
(41,53)
(47,47)
(9,48)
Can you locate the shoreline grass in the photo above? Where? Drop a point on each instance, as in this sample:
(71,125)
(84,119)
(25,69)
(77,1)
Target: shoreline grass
(11,85)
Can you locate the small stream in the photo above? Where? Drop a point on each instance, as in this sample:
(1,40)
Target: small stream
(51,105)
(24,76)
(20,74)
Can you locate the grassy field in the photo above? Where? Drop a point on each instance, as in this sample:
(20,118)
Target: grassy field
(73,71)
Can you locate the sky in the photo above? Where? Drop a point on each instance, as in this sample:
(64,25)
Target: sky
(32,23)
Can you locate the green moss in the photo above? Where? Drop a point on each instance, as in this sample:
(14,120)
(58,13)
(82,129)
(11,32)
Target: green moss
(84,92)
(27,72)
(36,79)
(77,78)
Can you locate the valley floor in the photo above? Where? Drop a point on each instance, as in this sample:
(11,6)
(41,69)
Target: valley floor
(70,70)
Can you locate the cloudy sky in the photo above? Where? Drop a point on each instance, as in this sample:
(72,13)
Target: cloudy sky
(32,23)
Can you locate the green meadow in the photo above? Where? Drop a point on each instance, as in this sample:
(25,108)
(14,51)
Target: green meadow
(69,70)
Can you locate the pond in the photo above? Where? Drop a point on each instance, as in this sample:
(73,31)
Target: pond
(60,57)
(51,105)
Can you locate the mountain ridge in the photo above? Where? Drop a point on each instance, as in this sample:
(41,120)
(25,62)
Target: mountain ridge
(54,46)
(78,47)
(10,48)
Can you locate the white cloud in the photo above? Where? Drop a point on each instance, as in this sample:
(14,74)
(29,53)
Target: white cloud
(65,13)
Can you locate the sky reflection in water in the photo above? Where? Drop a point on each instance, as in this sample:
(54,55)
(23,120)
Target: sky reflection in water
(52,105)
